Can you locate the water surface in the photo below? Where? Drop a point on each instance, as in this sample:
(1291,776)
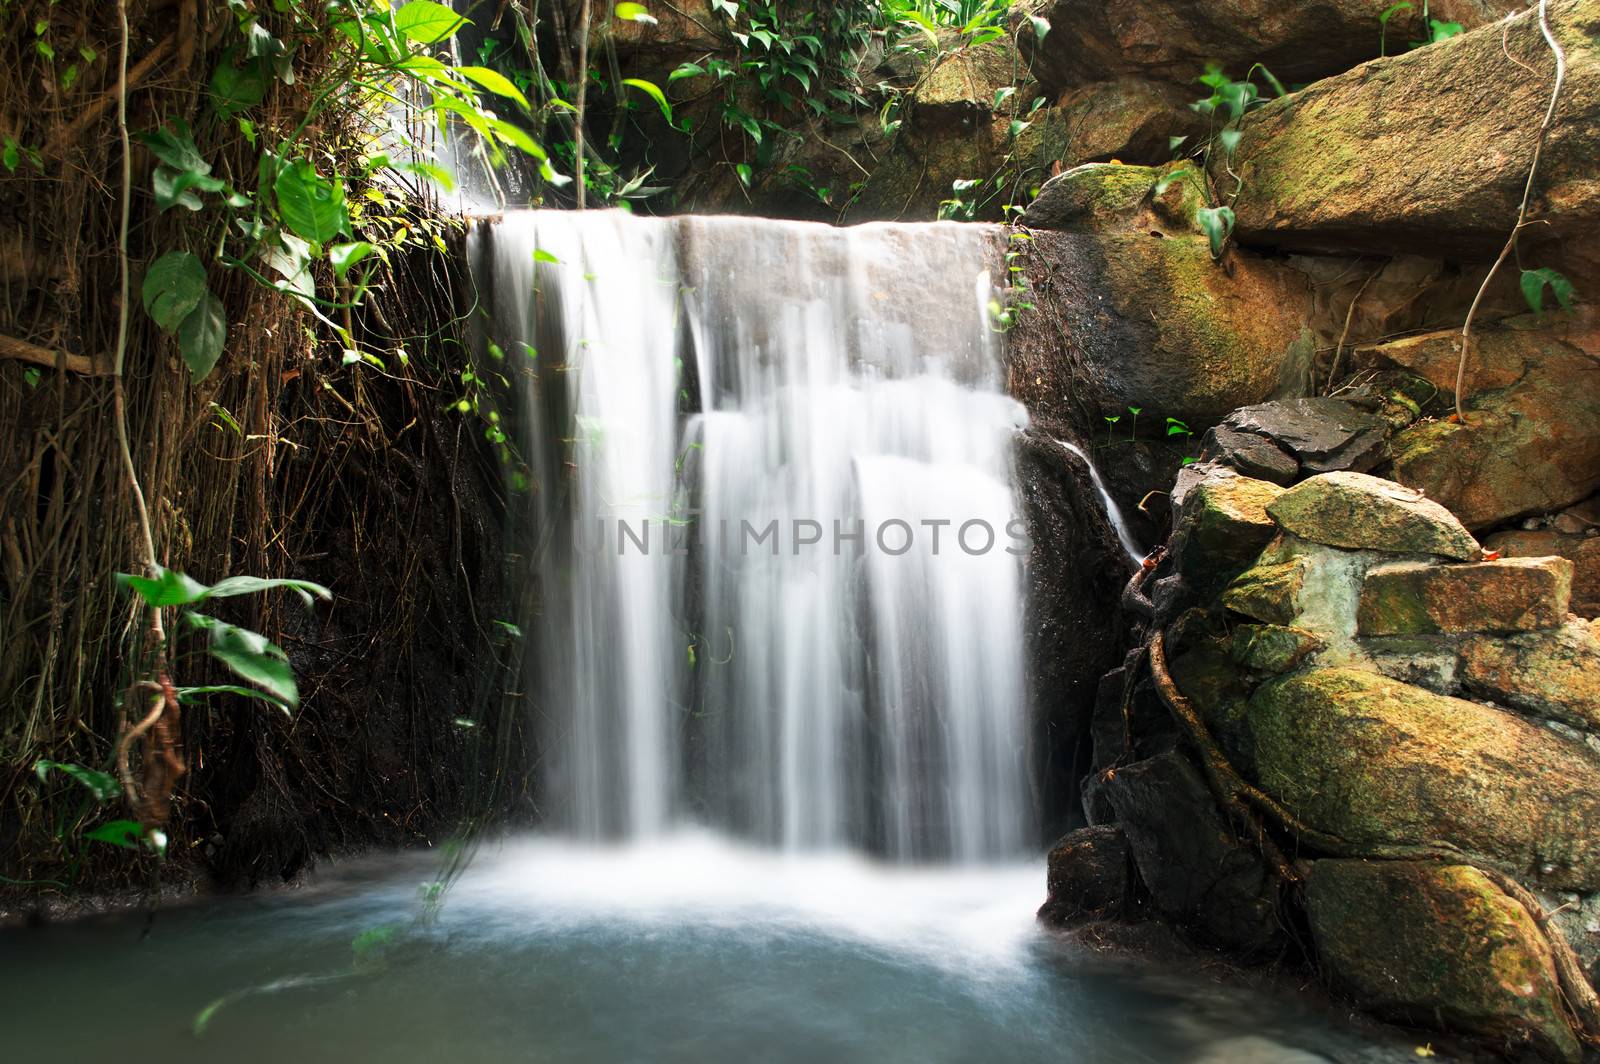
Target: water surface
(686,949)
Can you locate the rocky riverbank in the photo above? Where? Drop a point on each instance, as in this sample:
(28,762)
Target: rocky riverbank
(1360,720)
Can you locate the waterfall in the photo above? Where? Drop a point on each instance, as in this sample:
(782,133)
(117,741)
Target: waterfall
(773,522)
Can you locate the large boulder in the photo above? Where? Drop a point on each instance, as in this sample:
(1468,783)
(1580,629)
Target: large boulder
(1225,335)
(1200,874)
(958,92)
(1441,946)
(1359,512)
(1374,761)
(1508,595)
(1298,40)
(1531,439)
(1553,674)
(1430,148)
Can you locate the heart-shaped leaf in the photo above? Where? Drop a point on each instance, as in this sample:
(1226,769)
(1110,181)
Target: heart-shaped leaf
(173,286)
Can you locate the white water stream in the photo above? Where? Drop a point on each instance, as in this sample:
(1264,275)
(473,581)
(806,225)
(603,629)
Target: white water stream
(816,417)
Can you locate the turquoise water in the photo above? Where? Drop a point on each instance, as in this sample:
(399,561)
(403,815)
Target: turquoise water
(691,949)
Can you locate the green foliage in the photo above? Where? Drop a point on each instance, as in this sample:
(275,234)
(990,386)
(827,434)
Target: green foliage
(100,784)
(1438,29)
(280,230)
(1534,282)
(249,655)
(1217,224)
(1005,311)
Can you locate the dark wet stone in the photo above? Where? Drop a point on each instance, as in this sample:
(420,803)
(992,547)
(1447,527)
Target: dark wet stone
(1088,875)
(1254,456)
(1325,435)
(1200,875)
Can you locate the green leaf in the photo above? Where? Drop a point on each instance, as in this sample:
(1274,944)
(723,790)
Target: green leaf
(652,90)
(437,174)
(235,89)
(251,656)
(1229,139)
(1443,31)
(191,695)
(169,588)
(174,188)
(249,585)
(518,138)
(124,833)
(1173,178)
(427,22)
(344,256)
(175,147)
(100,784)
(1041,26)
(309,203)
(201,336)
(1391,11)
(495,82)
(1217,222)
(1533,286)
(541,255)
(173,286)
(686,70)
(634,13)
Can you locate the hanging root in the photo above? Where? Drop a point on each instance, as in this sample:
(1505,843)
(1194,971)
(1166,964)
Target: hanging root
(1227,786)
(1248,805)
(1522,211)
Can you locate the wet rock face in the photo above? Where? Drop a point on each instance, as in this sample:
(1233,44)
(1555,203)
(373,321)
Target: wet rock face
(1440,946)
(1088,876)
(1199,874)
(1299,40)
(1531,440)
(1373,760)
(1510,595)
(1371,160)
(1224,337)
(1356,512)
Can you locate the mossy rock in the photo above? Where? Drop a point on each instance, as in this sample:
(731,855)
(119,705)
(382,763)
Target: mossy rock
(1222,527)
(1415,150)
(1441,946)
(1375,761)
(1531,439)
(1355,511)
(1273,647)
(1268,591)
(1505,595)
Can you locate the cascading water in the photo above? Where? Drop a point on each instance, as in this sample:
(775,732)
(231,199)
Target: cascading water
(763,393)
(819,643)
